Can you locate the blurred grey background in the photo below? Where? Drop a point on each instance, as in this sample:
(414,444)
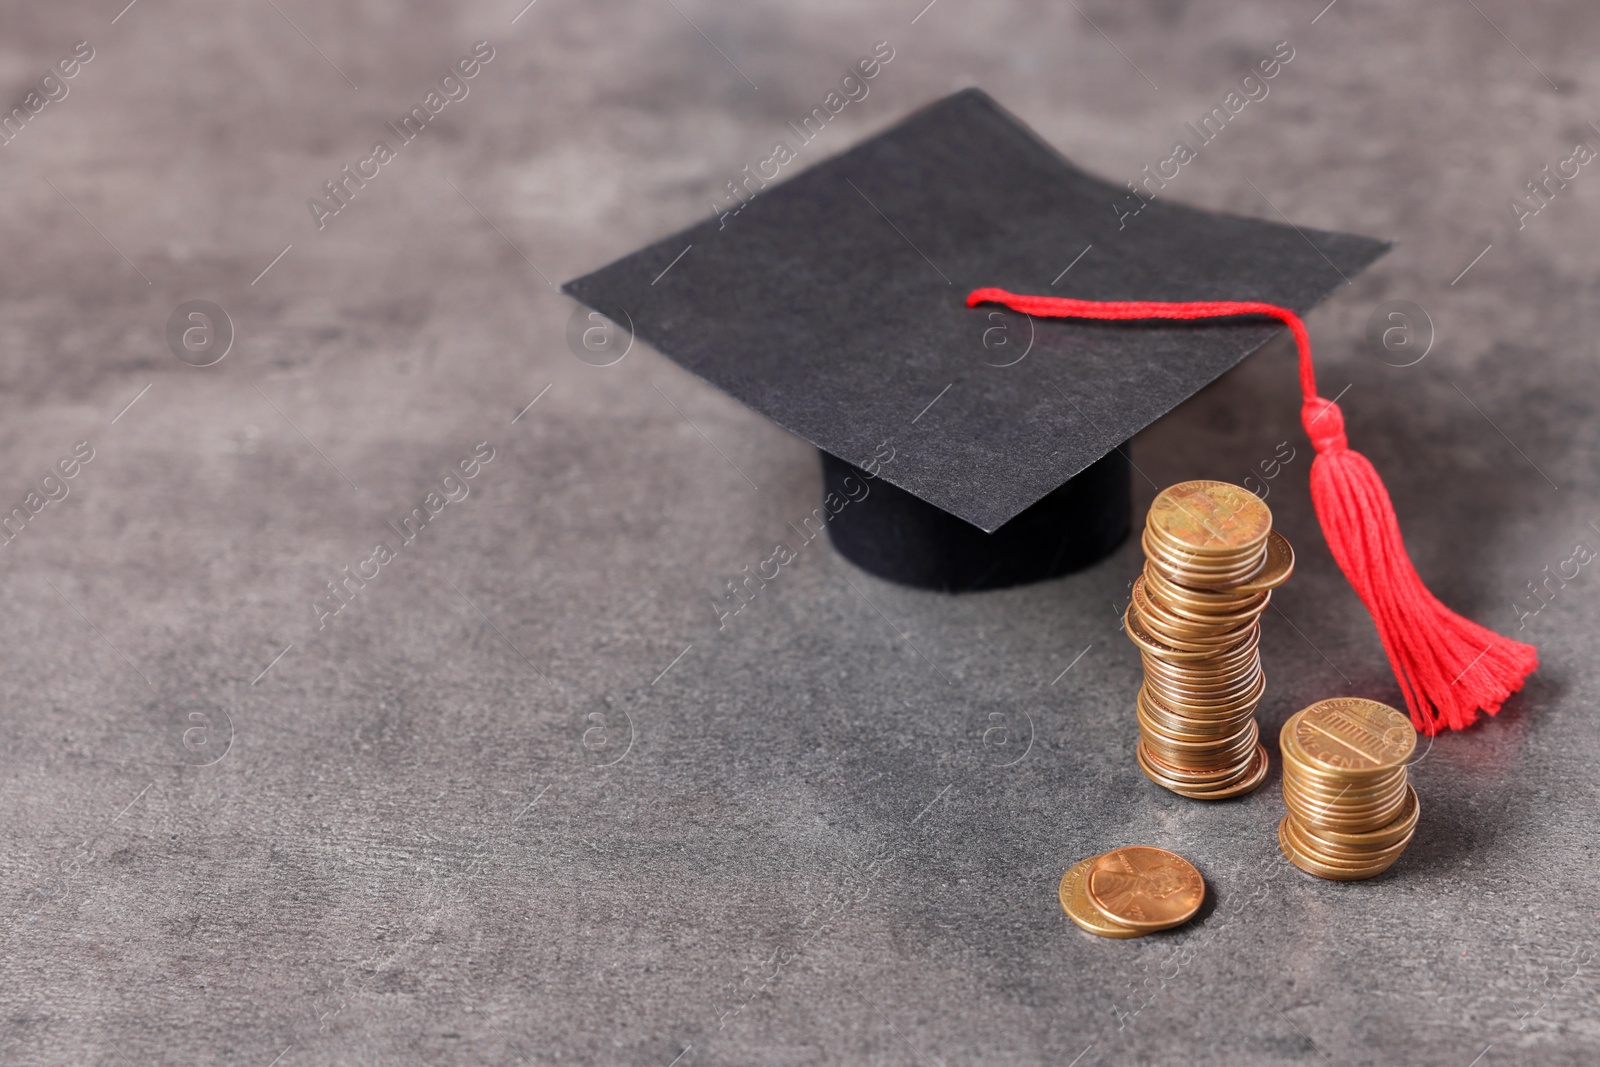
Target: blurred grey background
(521,800)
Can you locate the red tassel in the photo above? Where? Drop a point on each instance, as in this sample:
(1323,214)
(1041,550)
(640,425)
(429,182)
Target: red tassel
(1448,667)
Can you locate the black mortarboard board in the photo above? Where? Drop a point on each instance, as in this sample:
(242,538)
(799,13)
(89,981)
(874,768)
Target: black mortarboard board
(833,303)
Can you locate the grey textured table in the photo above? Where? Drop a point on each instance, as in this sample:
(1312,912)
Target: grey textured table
(520,799)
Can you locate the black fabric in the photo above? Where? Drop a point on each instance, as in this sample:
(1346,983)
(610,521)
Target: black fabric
(892,534)
(833,305)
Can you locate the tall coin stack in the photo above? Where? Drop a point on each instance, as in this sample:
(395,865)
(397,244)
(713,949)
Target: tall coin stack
(1212,560)
(1351,809)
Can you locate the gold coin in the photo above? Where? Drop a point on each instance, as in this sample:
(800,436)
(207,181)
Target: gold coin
(1075,902)
(1210,516)
(1350,734)
(1145,888)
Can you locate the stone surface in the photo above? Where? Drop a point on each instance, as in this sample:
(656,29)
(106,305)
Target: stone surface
(522,800)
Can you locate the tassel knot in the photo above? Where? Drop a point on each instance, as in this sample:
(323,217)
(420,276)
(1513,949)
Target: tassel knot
(1324,424)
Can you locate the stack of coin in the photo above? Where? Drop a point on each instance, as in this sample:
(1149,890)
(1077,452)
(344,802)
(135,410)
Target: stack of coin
(1130,892)
(1212,560)
(1351,809)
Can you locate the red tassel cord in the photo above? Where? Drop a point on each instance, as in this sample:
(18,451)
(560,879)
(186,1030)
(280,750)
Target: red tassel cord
(1448,667)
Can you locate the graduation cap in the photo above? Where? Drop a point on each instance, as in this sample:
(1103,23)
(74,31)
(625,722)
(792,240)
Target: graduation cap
(972,438)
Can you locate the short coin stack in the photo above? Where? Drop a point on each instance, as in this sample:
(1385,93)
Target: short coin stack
(1212,560)
(1130,892)
(1351,809)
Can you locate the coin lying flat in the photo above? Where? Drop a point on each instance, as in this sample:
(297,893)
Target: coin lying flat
(1075,902)
(1144,887)
(1211,517)
(1349,734)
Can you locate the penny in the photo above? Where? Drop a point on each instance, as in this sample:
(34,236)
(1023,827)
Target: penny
(1312,866)
(1199,650)
(1351,801)
(1177,584)
(1334,816)
(1238,763)
(1148,642)
(1213,670)
(1207,686)
(1311,846)
(1233,781)
(1322,819)
(1075,902)
(1204,614)
(1385,834)
(1277,569)
(1159,611)
(1185,726)
(1183,570)
(1184,561)
(1207,515)
(1204,704)
(1212,750)
(1144,887)
(1223,706)
(1188,730)
(1348,789)
(1164,773)
(1351,734)
(1255,773)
